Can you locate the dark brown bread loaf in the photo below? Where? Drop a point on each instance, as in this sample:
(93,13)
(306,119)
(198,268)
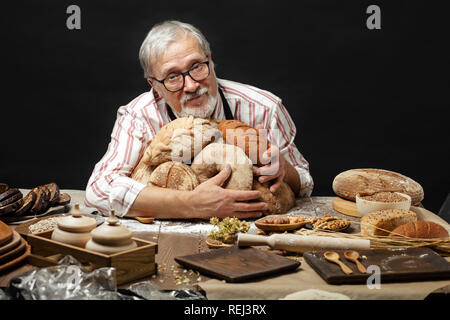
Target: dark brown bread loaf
(28,202)
(279,202)
(54,192)
(11,208)
(420,229)
(3,187)
(8,193)
(240,134)
(62,200)
(41,204)
(12,198)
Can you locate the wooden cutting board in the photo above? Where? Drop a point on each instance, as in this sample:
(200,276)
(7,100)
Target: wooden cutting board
(396,265)
(346,207)
(235,264)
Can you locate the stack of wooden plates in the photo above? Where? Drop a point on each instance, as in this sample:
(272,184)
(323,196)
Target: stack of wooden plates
(13,248)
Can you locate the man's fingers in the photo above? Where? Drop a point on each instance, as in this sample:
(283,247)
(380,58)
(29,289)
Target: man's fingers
(276,185)
(270,170)
(241,195)
(222,176)
(257,206)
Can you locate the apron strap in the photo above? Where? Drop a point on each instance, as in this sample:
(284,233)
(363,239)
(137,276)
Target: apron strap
(226,108)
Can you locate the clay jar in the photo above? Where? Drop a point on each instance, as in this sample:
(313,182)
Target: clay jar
(74,229)
(111,237)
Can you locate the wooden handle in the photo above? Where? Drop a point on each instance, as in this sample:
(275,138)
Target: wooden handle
(360,267)
(343,266)
(251,240)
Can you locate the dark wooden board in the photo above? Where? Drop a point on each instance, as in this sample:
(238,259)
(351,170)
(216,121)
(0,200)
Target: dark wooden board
(235,264)
(396,265)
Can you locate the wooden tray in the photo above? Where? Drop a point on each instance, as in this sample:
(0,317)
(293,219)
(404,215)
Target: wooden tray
(16,261)
(236,264)
(278,227)
(8,256)
(14,242)
(130,265)
(396,265)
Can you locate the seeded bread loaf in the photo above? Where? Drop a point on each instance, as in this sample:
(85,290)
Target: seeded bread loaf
(348,183)
(381,223)
(421,230)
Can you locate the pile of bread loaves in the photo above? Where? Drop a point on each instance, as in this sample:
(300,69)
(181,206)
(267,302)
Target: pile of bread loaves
(391,222)
(37,201)
(188,151)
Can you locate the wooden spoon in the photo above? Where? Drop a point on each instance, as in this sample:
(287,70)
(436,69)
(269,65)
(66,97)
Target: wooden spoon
(334,257)
(145,219)
(353,256)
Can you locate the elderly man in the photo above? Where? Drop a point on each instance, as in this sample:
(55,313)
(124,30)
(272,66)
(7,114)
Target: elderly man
(178,65)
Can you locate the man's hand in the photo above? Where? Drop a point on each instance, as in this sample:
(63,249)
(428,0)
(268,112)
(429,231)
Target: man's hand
(209,199)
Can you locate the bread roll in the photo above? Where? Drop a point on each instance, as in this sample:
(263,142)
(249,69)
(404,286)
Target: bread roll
(174,175)
(420,229)
(213,159)
(180,140)
(240,134)
(279,202)
(387,220)
(348,183)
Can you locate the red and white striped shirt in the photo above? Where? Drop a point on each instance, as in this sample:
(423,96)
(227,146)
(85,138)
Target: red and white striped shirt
(110,186)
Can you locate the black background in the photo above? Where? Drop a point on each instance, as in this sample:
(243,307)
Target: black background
(359,98)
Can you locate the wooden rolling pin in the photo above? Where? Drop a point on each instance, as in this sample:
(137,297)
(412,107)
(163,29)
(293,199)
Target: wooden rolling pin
(297,243)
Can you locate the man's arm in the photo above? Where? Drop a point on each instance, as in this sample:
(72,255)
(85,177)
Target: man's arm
(208,200)
(110,187)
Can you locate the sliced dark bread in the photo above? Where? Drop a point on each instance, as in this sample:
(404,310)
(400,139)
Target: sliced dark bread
(11,208)
(28,202)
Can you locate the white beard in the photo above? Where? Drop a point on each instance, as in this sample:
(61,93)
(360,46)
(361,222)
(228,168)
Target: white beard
(196,112)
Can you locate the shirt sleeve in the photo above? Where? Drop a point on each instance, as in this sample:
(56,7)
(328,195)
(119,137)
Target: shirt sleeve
(282,131)
(110,186)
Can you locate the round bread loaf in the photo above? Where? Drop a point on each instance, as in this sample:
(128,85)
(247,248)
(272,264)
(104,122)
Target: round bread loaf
(421,230)
(142,172)
(279,202)
(240,134)
(348,183)
(213,159)
(174,175)
(180,140)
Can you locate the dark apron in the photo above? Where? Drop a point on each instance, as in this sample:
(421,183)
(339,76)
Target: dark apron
(226,108)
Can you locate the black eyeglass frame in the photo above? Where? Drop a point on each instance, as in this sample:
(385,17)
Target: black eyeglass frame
(183,74)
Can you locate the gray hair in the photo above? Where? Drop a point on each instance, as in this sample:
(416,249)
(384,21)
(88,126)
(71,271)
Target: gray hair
(161,36)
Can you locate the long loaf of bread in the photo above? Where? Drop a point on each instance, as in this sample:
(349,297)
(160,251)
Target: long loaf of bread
(421,230)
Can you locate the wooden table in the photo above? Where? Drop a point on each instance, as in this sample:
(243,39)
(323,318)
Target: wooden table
(178,238)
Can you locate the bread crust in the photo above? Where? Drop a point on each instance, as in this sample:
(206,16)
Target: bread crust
(420,230)
(348,183)
(174,175)
(240,134)
(381,223)
(213,159)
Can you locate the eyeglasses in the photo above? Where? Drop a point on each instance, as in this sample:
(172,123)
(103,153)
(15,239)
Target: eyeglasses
(175,81)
